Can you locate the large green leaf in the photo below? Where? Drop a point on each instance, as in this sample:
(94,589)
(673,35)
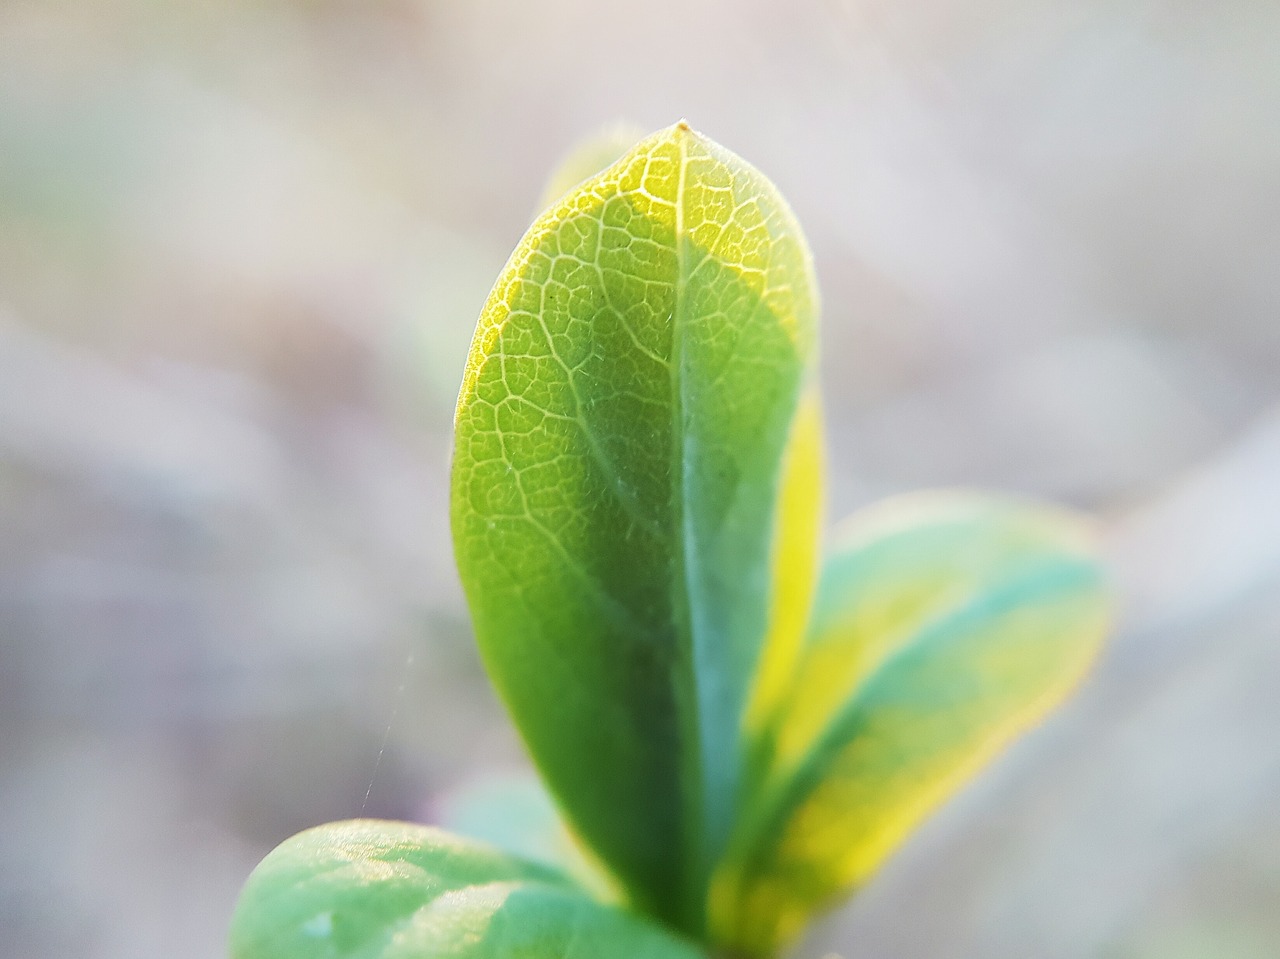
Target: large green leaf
(634,511)
(382,890)
(945,624)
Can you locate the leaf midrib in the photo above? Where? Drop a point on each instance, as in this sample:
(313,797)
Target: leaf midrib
(688,695)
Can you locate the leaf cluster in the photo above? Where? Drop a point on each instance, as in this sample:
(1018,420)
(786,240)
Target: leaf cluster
(736,728)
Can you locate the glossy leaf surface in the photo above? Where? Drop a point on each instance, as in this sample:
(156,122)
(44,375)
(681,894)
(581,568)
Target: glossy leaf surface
(633,407)
(945,624)
(380,890)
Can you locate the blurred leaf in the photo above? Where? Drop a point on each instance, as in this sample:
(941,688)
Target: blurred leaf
(380,890)
(590,157)
(630,415)
(516,814)
(945,624)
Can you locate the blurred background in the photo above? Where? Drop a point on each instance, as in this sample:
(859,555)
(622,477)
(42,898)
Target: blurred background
(242,249)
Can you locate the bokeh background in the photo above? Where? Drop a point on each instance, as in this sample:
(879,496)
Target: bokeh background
(242,248)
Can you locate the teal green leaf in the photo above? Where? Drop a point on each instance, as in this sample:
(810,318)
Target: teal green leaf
(945,625)
(367,889)
(590,157)
(636,456)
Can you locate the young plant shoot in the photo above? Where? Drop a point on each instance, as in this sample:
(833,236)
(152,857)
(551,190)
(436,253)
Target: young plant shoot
(737,729)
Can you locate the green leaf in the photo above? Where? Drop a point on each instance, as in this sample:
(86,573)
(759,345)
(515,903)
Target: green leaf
(382,890)
(945,625)
(636,458)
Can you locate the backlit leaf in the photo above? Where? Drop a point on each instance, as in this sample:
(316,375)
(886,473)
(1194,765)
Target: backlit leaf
(380,890)
(945,624)
(632,458)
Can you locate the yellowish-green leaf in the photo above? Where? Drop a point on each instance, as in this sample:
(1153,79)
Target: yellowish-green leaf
(794,562)
(632,457)
(945,625)
(383,890)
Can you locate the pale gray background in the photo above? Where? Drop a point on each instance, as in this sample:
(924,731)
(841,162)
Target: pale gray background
(242,247)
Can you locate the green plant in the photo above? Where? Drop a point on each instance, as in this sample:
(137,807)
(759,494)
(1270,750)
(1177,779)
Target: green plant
(637,474)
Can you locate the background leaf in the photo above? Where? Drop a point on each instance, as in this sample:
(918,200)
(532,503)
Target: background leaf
(514,812)
(382,890)
(625,428)
(945,624)
(589,157)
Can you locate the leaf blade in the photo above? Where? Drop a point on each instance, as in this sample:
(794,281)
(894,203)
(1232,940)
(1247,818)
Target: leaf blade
(794,574)
(946,625)
(381,890)
(629,395)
